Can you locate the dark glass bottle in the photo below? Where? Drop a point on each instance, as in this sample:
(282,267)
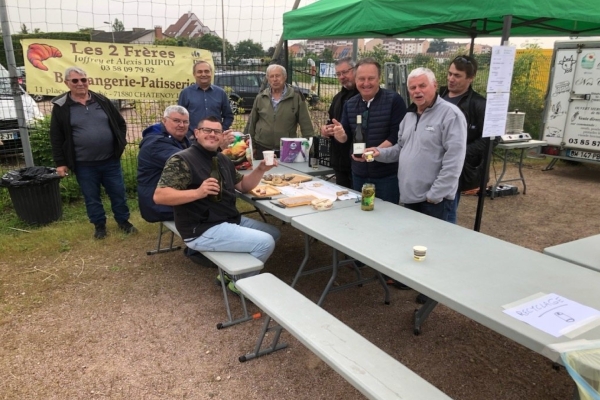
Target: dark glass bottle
(313,154)
(359,142)
(214,173)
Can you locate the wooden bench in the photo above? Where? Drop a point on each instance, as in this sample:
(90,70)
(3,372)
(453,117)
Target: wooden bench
(233,264)
(370,370)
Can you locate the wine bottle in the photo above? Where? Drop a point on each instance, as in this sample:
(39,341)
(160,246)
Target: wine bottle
(359,142)
(313,155)
(214,173)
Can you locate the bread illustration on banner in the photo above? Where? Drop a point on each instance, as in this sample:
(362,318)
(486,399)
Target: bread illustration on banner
(37,53)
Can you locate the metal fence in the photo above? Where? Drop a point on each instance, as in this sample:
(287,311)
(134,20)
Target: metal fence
(529,83)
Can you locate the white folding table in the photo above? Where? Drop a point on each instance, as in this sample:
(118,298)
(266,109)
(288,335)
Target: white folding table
(584,252)
(470,272)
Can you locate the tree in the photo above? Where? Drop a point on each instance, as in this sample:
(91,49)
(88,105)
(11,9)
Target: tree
(438,46)
(270,51)
(118,26)
(24,30)
(211,43)
(378,53)
(249,49)
(327,55)
(37,30)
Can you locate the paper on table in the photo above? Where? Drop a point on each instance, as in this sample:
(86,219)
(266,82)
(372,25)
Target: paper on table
(319,189)
(554,314)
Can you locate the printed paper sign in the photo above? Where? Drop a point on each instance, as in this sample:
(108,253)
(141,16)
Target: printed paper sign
(554,314)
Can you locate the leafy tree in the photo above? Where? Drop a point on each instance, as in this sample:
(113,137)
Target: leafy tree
(118,26)
(437,46)
(249,49)
(37,30)
(24,30)
(270,51)
(211,43)
(525,95)
(327,55)
(378,53)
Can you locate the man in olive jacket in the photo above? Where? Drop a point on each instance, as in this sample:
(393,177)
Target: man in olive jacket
(276,113)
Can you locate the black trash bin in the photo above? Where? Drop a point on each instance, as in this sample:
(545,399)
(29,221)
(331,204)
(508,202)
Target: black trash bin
(35,194)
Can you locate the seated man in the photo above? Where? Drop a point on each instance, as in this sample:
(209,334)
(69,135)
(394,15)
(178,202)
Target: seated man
(159,143)
(205,212)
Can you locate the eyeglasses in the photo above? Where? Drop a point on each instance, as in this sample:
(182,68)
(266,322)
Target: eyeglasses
(179,121)
(461,59)
(208,131)
(340,73)
(76,80)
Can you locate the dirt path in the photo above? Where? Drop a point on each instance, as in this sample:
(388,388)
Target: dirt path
(105,321)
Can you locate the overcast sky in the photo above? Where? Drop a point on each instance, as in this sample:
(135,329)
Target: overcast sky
(259,20)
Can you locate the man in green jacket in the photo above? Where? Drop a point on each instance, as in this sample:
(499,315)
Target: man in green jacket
(276,113)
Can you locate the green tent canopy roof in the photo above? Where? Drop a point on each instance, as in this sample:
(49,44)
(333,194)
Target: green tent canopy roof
(441,18)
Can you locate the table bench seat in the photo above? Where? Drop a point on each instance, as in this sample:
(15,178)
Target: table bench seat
(369,369)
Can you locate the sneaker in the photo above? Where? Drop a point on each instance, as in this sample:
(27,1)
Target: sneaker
(227,279)
(421,298)
(127,227)
(233,289)
(100,232)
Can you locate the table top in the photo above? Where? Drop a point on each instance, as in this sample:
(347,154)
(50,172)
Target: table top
(522,145)
(470,272)
(584,252)
(288,213)
(303,167)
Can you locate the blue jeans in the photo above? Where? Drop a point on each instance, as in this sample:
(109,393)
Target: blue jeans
(250,236)
(453,212)
(440,210)
(109,175)
(385,188)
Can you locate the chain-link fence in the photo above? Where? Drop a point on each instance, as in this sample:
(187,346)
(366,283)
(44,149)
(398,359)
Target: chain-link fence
(243,81)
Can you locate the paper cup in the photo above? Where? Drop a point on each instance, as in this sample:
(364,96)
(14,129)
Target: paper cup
(419,252)
(269,156)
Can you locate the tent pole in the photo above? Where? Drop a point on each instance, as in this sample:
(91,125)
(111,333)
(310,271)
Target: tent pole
(488,154)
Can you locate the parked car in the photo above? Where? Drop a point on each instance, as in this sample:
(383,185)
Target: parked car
(245,86)
(9,126)
(23,83)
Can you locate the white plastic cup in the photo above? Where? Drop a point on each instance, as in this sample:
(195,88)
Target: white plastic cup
(420,252)
(269,156)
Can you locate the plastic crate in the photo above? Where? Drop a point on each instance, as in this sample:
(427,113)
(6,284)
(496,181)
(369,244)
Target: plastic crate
(324,152)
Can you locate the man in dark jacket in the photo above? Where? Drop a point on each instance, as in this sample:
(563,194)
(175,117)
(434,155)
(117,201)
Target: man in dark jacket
(381,111)
(460,92)
(340,152)
(159,143)
(88,137)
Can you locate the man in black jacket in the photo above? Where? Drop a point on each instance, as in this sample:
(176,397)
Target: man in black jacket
(460,92)
(340,152)
(88,137)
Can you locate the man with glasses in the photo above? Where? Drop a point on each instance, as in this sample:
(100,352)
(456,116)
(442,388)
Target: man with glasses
(276,113)
(159,143)
(340,152)
(204,224)
(202,99)
(460,92)
(381,111)
(88,137)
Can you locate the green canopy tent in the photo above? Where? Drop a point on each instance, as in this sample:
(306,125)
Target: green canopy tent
(444,19)
(441,18)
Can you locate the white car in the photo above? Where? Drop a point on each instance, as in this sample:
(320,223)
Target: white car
(10,137)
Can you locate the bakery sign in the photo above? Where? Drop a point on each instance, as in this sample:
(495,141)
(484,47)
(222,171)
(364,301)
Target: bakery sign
(116,70)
